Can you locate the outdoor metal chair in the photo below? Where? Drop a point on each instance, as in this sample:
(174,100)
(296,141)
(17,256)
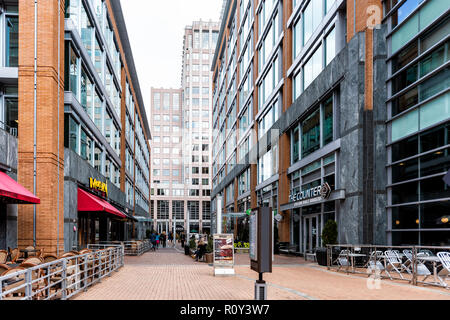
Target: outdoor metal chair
(421,268)
(342,259)
(393,263)
(374,262)
(426,252)
(444,258)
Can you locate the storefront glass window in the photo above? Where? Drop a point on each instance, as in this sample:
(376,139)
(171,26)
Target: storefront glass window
(311,134)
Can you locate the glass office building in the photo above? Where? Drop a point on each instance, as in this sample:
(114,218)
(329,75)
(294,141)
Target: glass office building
(418,109)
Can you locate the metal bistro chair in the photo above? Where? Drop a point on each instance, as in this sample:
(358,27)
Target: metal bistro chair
(374,262)
(421,268)
(342,259)
(444,257)
(393,263)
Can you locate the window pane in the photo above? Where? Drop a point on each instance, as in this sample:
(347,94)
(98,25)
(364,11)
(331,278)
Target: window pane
(311,134)
(435,111)
(12,42)
(405,217)
(405,125)
(328,121)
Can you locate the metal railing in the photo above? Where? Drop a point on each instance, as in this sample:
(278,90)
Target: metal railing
(63,278)
(137,248)
(413,264)
(131,248)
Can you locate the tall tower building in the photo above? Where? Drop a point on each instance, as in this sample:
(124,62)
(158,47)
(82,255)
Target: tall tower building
(181,120)
(198,51)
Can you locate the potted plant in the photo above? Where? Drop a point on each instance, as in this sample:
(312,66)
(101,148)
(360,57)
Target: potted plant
(209,251)
(329,236)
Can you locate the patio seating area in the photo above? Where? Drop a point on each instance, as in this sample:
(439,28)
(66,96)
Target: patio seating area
(415,264)
(49,277)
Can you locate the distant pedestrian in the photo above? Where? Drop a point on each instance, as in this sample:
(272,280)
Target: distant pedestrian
(157,240)
(163,239)
(171,239)
(153,241)
(182,240)
(201,249)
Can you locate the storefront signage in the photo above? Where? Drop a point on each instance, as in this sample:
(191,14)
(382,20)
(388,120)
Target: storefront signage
(319,193)
(98,185)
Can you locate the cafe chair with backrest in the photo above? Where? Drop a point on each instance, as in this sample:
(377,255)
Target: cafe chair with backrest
(393,263)
(421,268)
(444,258)
(342,260)
(14,254)
(3,256)
(37,276)
(374,262)
(426,252)
(3,268)
(48,257)
(16,289)
(34,260)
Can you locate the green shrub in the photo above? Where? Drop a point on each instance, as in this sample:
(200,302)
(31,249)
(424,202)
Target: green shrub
(192,243)
(330,233)
(210,245)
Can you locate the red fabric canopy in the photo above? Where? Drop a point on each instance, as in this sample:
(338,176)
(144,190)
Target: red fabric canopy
(9,188)
(89,202)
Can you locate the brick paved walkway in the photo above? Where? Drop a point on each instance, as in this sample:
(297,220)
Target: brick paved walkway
(168,274)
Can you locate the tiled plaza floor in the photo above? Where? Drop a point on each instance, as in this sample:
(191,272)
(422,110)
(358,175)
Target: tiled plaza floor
(168,274)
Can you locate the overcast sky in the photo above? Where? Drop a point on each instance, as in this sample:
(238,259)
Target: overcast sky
(156,29)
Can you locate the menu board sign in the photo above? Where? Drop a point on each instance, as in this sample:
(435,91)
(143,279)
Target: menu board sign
(261,246)
(223,250)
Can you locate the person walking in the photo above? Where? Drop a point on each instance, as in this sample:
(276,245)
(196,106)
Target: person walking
(182,240)
(201,249)
(153,241)
(171,239)
(157,240)
(163,239)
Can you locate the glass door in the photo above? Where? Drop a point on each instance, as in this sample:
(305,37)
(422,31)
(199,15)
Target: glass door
(311,232)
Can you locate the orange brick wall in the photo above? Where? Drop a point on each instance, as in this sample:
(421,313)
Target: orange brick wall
(47,123)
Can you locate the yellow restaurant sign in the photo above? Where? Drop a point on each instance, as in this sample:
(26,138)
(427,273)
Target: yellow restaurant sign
(98,185)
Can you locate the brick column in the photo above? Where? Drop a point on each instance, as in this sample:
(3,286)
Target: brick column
(46,123)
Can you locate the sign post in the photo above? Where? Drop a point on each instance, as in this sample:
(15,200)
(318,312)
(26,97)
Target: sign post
(223,248)
(261,221)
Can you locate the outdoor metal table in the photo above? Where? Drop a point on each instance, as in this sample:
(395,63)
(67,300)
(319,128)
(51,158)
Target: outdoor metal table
(434,260)
(352,258)
(26,251)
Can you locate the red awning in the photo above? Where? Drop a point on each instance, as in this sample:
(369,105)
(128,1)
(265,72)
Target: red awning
(89,202)
(9,188)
